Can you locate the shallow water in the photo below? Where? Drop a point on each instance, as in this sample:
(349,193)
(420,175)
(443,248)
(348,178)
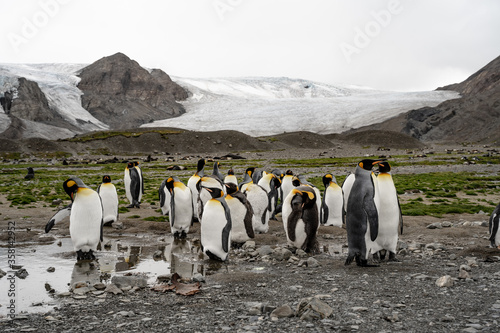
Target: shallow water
(116,257)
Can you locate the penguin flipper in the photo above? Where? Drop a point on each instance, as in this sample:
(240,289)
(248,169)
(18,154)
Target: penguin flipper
(372,216)
(161,194)
(494,222)
(102,231)
(171,215)
(247,220)
(135,185)
(400,219)
(226,232)
(58,217)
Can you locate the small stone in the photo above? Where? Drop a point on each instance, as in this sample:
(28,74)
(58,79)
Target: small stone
(79,297)
(81,291)
(311,262)
(446,224)
(444,281)
(465,268)
(300,253)
(284,311)
(254,308)
(359,309)
(197,277)
(122,281)
(248,246)
(265,250)
(22,273)
(313,308)
(51,269)
(79,285)
(112,288)
(436,225)
(99,286)
(64,294)
(50,318)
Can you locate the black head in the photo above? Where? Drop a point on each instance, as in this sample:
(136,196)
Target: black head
(200,165)
(295,181)
(384,167)
(230,172)
(327,179)
(289,172)
(136,163)
(368,164)
(170,184)
(130,165)
(231,188)
(72,185)
(106,179)
(250,171)
(214,192)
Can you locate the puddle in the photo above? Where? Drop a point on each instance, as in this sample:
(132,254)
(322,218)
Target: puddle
(116,257)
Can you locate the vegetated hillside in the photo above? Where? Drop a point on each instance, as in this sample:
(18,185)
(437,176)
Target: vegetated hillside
(178,141)
(122,94)
(475,117)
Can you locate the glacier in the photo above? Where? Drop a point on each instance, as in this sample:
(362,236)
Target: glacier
(257,106)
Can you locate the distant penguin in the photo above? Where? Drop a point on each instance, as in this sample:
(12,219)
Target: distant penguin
(192,181)
(164,197)
(494,228)
(141,178)
(271,184)
(390,219)
(215,232)
(332,205)
(109,198)
(300,218)
(216,172)
(132,183)
(257,175)
(203,194)
(85,222)
(247,178)
(258,198)
(241,214)
(31,174)
(287,184)
(230,178)
(181,207)
(361,213)
(279,174)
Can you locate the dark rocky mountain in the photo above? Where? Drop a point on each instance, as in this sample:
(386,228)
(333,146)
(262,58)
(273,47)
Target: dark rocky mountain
(122,94)
(475,117)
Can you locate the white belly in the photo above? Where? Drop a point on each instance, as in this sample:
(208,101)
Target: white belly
(212,224)
(238,212)
(109,199)
(183,210)
(258,199)
(85,220)
(334,200)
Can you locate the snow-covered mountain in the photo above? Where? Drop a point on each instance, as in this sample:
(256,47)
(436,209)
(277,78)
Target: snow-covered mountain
(255,106)
(265,106)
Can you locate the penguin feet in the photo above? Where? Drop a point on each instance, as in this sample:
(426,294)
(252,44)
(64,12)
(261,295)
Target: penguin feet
(177,235)
(79,255)
(130,206)
(108,224)
(376,257)
(183,234)
(392,257)
(382,254)
(364,263)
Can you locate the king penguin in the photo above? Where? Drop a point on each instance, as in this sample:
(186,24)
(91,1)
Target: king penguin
(216,226)
(132,183)
(181,207)
(300,218)
(271,184)
(258,198)
(300,180)
(390,219)
(286,184)
(192,181)
(494,228)
(203,194)
(164,197)
(85,218)
(216,172)
(230,178)
(109,199)
(361,213)
(241,214)
(332,206)
(141,180)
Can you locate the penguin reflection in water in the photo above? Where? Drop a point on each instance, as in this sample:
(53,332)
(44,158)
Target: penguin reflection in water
(85,218)
(361,213)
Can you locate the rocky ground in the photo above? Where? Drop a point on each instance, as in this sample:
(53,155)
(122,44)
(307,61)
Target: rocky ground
(446,280)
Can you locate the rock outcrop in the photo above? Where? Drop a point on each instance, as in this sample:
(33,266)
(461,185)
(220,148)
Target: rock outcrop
(475,117)
(121,93)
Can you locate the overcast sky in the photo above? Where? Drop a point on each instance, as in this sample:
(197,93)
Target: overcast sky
(388,44)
